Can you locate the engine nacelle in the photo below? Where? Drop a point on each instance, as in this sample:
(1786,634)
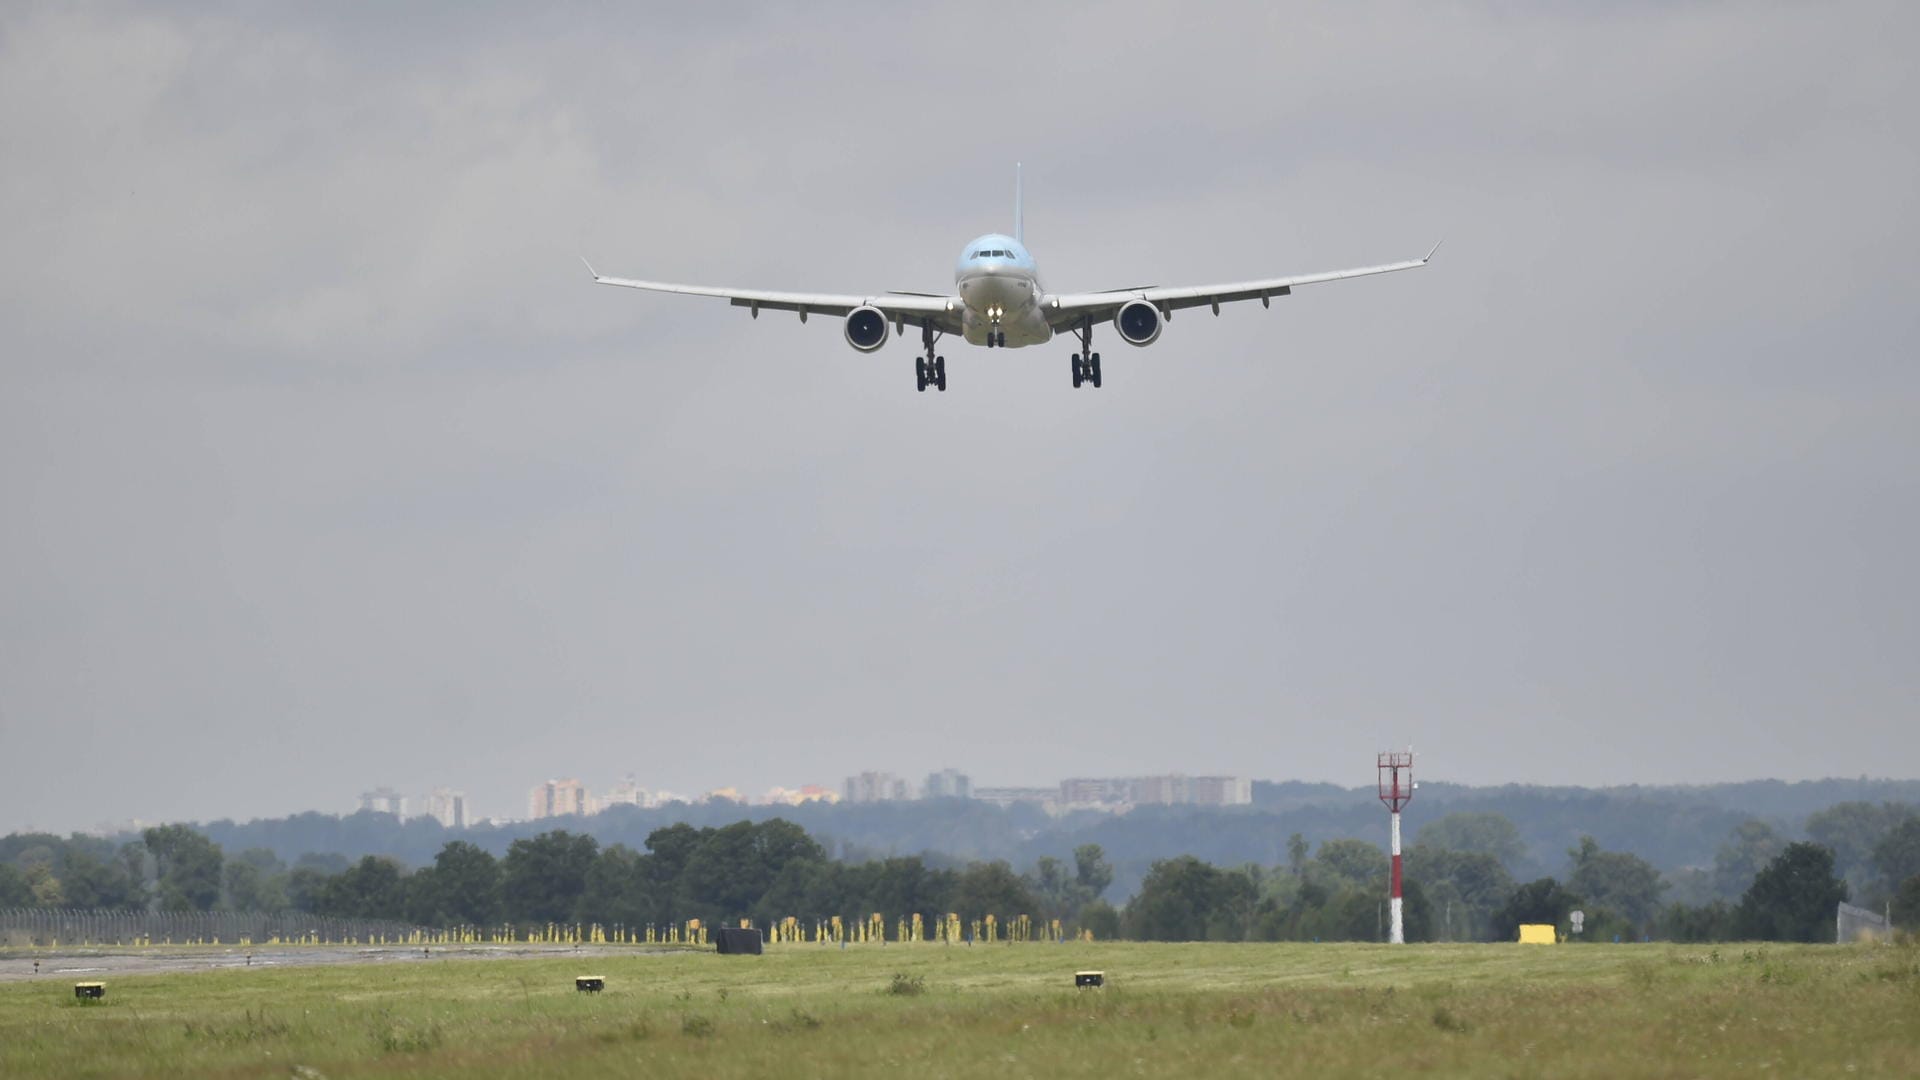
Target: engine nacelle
(1138,322)
(866,328)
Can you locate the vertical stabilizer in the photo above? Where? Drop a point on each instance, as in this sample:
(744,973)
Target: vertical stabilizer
(1016,204)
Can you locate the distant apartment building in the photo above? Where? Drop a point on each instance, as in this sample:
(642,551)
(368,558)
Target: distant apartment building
(627,792)
(1120,793)
(875,787)
(1043,797)
(1159,791)
(448,807)
(805,793)
(384,800)
(1222,790)
(948,784)
(1088,791)
(558,798)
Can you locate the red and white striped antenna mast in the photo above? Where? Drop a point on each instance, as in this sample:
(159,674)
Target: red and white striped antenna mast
(1396,790)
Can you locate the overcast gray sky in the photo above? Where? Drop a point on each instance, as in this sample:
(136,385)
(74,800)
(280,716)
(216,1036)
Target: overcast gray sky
(323,465)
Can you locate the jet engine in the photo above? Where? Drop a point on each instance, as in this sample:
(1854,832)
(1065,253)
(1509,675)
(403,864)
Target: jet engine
(1138,322)
(866,328)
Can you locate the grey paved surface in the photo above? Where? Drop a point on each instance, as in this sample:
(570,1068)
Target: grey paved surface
(87,964)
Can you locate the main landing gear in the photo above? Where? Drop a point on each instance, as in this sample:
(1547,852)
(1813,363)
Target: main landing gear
(930,370)
(1086,362)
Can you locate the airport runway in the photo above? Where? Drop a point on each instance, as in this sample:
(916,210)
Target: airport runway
(98,963)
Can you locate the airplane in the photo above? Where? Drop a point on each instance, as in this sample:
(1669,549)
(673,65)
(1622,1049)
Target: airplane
(1001,304)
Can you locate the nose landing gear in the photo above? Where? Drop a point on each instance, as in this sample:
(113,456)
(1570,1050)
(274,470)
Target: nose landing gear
(1086,362)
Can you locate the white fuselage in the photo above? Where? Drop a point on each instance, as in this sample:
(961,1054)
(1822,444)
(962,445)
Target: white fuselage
(999,286)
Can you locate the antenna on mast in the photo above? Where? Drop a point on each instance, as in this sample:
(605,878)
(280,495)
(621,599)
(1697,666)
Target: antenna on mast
(1016,204)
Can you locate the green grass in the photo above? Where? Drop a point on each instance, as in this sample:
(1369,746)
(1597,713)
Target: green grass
(1000,1011)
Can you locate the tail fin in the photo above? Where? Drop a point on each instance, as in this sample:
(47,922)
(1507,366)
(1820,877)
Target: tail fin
(1016,204)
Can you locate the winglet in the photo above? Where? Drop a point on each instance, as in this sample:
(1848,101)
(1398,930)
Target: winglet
(590,269)
(1436,247)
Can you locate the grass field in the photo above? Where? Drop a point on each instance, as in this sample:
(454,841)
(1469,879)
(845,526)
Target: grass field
(930,1011)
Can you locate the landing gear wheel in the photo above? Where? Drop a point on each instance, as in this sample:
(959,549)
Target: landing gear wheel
(920,373)
(1086,362)
(940,373)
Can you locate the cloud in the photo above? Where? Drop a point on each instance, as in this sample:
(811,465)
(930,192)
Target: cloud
(323,465)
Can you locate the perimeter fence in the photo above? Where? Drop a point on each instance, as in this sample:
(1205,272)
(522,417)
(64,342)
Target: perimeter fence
(44,927)
(29,927)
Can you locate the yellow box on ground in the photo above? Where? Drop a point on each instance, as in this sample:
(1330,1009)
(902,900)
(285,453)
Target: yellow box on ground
(1536,933)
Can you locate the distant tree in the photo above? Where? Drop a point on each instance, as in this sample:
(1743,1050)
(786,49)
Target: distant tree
(1621,883)
(306,888)
(1185,899)
(45,886)
(25,849)
(991,888)
(732,867)
(1478,832)
(1897,856)
(1851,830)
(1099,917)
(14,890)
(1696,923)
(1541,901)
(1906,904)
(1062,892)
(1366,914)
(242,886)
(90,882)
(542,879)
(1051,886)
(461,888)
(1465,888)
(619,889)
(373,888)
(1349,863)
(902,886)
(1751,846)
(1291,913)
(1091,872)
(1792,898)
(1297,854)
(803,889)
(188,866)
(671,847)
(327,863)
(135,863)
(1690,885)
(256,881)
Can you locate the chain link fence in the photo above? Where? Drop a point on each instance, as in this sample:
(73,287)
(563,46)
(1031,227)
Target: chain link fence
(25,927)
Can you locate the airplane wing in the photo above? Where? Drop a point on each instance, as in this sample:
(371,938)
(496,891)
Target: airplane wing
(909,308)
(1070,309)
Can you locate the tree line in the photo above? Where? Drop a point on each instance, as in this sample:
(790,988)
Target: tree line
(1672,828)
(1460,883)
